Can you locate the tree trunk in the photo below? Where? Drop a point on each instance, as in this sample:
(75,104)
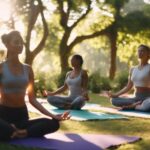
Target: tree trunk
(64,56)
(64,51)
(29,58)
(113,53)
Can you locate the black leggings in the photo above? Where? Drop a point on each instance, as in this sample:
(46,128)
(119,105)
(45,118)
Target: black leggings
(19,117)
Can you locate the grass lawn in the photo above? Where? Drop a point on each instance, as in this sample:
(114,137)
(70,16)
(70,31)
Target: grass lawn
(132,127)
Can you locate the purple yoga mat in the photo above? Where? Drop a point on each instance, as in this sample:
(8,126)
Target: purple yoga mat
(70,141)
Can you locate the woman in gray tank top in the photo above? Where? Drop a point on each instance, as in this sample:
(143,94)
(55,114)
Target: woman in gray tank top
(139,77)
(76,82)
(17,79)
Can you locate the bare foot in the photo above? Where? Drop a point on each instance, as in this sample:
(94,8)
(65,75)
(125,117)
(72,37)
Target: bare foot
(19,134)
(132,106)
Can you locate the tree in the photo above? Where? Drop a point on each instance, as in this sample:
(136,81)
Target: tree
(30,11)
(132,23)
(113,33)
(120,23)
(110,31)
(77,10)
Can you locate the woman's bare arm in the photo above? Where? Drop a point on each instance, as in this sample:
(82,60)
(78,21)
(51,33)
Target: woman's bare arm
(35,103)
(85,84)
(127,88)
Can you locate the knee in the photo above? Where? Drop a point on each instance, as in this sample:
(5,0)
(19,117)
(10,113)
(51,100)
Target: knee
(53,124)
(56,125)
(145,106)
(114,101)
(50,99)
(79,100)
(78,103)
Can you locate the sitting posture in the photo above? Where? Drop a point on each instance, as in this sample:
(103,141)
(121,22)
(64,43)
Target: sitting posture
(76,81)
(16,79)
(139,77)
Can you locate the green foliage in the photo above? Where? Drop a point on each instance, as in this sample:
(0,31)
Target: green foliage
(135,22)
(128,44)
(55,35)
(61,79)
(75,5)
(146,10)
(105,84)
(98,83)
(43,82)
(116,3)
(121,80)
(94,83)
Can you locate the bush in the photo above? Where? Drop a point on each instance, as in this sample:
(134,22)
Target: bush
(43,82)
(98,83)
(121,80)
(94,84)
(105,84)
(61,79)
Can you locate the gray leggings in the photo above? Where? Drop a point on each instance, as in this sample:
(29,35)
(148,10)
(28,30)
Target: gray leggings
(144,106)
(63,101)
(120,101)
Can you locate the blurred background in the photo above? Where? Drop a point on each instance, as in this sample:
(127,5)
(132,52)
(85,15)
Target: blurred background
(106,33)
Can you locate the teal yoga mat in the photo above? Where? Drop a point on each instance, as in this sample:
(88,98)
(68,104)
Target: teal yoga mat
(83,115)
(80,115)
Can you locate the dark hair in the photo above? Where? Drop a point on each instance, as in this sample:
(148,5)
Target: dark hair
(78,57)
(6,38)
(145,47)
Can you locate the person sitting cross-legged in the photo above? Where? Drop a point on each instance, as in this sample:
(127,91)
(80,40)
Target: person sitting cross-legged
(76,82)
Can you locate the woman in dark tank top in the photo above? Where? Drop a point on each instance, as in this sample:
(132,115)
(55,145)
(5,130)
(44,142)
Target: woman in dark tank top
(17,79)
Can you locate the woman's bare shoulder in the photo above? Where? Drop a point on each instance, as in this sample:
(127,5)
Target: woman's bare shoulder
(68,73)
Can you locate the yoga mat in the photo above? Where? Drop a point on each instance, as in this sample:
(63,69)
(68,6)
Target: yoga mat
(83,115)
(79,115)
(132,113)
(87,106)
(70,141)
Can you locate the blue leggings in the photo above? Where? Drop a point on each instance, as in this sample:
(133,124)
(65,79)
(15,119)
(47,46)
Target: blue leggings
(120,101)
(63,101)
(19,117)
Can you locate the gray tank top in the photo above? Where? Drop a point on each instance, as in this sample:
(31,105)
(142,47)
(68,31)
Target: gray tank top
(14,83)
(74,85)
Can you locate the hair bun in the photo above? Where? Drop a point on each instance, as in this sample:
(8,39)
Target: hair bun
(4,38)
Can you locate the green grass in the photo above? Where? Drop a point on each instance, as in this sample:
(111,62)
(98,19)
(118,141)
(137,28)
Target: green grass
(131,127)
